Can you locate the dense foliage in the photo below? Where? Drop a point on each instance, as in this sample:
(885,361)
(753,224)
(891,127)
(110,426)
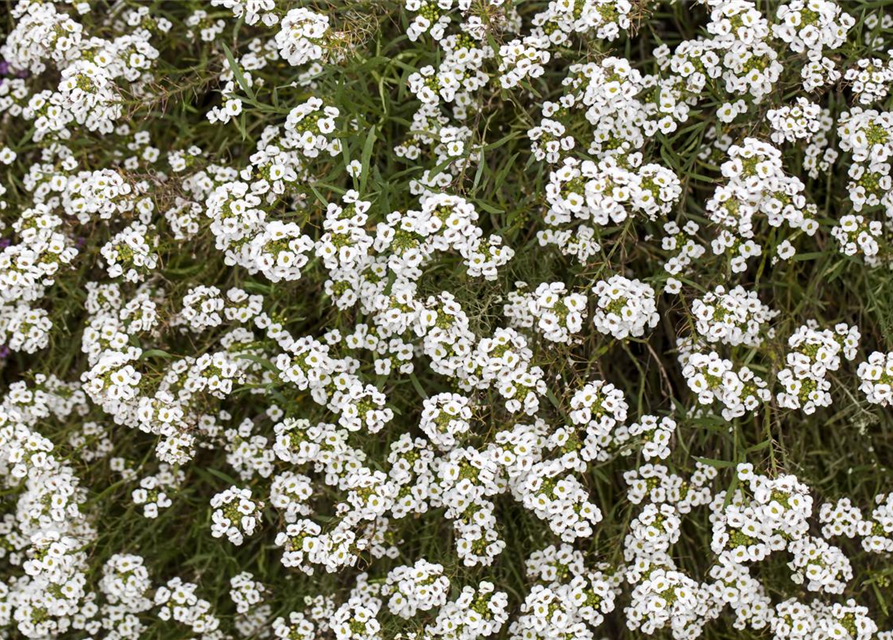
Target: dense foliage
(446,319)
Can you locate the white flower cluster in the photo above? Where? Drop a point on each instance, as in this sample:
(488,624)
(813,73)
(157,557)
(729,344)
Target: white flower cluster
(665,599)
(550,310)
(876,375)
(93,71)
(811,26)
(477,613)
(601,194)
(714,378)
(285,250)
(794,619)
(557,497)
(734,317)
(302,36)
(178,601)
(819,565)
(625,307)
(235,515)
(446,417)
(813,354)
(655,434)
(871,80)
(130,253)
(251,10)
(773,515)
(152,493)
(844,519)
(522,59)
(597,409)
(757,185)
(799,121)
(419,587)
(868,136)
(856,235)
(682,242)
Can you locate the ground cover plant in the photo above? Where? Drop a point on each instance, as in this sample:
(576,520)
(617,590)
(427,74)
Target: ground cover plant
(446,319)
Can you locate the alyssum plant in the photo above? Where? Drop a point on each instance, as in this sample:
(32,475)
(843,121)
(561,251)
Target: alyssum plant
(446,319)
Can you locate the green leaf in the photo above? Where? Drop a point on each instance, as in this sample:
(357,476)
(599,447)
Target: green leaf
(367,157)
(237,72)
(155,353)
